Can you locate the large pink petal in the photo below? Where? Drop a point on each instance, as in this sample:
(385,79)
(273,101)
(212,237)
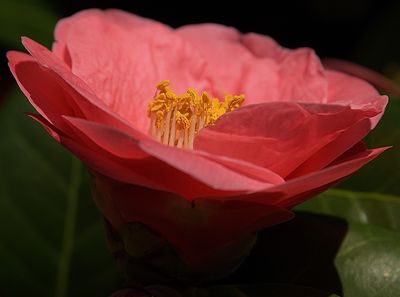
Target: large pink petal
(264,46)
(191,174)
(233,68)
(281,136)
(123,18)
(129,61)
(283,75)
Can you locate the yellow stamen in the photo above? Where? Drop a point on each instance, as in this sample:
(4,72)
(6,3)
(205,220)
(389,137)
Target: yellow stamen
(176,119)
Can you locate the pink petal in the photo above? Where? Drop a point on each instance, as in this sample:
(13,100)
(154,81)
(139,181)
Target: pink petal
(69,95)
(348,90)
(200,176)
(232,67)
(281,136)
(129,61)
(97,159)
(329,152)
(119,17)
(301,188)
(374,78)
(283,75)
(329,175)
(302,77)
(46,98)
(264,46)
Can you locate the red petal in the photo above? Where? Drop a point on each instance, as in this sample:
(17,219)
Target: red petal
(190,174)
(45,79)
(301,188)
(281,136)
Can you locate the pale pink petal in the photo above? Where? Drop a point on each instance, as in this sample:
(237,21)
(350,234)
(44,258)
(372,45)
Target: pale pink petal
(302,77)
(285,75)
(301,73)
(232,67)
(130,20)
(129,61)
(264,46)
(120,17)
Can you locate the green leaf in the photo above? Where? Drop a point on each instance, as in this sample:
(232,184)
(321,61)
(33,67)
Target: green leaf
(52,241)
(368,261)
(362,207)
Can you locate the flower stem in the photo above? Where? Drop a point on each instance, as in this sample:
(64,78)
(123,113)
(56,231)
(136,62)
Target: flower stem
(69,229)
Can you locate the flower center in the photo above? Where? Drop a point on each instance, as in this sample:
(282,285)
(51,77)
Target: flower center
(176,119)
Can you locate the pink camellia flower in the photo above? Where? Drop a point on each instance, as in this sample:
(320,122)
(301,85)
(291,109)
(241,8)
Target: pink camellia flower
(200,172)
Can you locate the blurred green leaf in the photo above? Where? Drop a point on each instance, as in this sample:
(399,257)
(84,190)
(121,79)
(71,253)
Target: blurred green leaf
(368,261)
(361,207)
(51,232)
(32,18)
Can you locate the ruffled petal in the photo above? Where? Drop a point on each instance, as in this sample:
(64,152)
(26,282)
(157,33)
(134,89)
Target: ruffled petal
(278,74)
(301,188)
(46,79)
(129,60)
(193,174)
(281,136)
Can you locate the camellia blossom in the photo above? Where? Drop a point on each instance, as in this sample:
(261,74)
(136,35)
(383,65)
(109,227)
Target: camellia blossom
(136,101)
